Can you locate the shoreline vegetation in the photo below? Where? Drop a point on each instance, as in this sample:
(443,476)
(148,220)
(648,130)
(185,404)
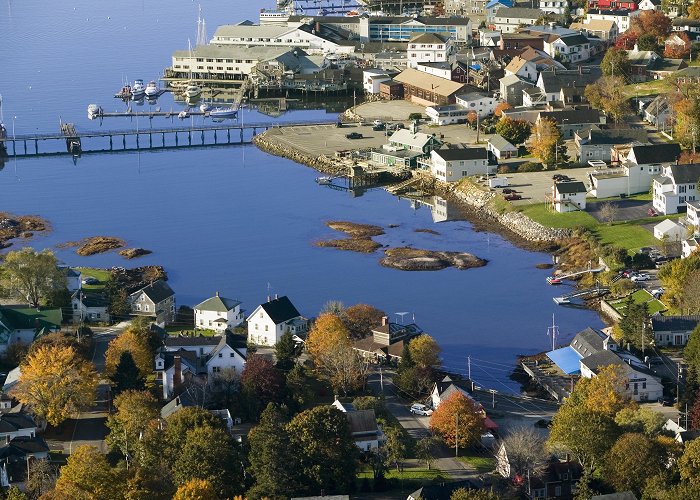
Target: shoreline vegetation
(20,226)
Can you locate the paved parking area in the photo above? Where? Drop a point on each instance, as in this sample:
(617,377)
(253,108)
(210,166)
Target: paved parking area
(535,186)
(626,209)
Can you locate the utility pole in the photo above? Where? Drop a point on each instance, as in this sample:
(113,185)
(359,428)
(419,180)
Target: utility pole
(456,434)
(469,369)
(381,379)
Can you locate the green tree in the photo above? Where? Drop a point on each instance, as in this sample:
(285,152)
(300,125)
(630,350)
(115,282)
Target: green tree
(321,438)
(689,463)
(127,376)
(210,454)
(694,10)
(543,143)
(396,450)
(640,420)
(608,94)
(675,276)
(426,450)
(196,489)
(647,41)
(129,341)
(30,275)
(465,494)
(632,459)
(272,461)
(425,352)
(135,410)
(514,131)
(56,383)
(616,63)
(634,325)
(286,352)
(87,475)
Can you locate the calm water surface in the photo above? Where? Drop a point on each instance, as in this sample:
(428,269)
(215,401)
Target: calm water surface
(235,219)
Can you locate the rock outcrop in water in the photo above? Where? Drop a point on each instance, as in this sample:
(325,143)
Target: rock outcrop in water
(414,259)
(16,226)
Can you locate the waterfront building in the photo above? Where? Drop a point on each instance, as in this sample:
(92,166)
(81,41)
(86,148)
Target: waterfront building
(387,341)
(156,301)
(500,148)
(481,103)
(371,78)
(676,185)
(595,144)
(450,164)
(25,323)
(417,142)
(218,313)
(269,321)
(447,114)
(426,89)
(568,196)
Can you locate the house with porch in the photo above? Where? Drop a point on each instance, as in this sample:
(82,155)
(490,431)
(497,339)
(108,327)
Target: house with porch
(676,185)
(20,323)
(429,47)
(90,307)
(673,330)
(218,313)
(569,196)
(156,301)
(387,341)
(414,141)
(272,319)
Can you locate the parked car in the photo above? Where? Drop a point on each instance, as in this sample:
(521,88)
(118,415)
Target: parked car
(377,122)
(339,124)
(666,401)
(561,178)
(543,423)
(628,273)
(354,135)
(640,277)
(419,409)
(89,280)
(509,191)
(513,197)
(647,250)
(378,127)
(652,213)
(657,292)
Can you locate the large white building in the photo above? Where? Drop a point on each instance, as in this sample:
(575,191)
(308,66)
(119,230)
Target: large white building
(218,313)
(508,20)
(302,36)
(569,196)
(452,164)
(676,185)
(274,318)
(429,47)
(484,105)
(623,18)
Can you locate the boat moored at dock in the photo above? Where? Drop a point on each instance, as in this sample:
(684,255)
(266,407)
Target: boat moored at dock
(223,112)
(152,89)
(138,89)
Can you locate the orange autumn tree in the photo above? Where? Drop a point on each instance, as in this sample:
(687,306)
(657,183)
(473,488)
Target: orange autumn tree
(501,107)
(459,420)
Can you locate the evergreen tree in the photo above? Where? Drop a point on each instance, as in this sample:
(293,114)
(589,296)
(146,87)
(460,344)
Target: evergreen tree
(286,352)
(127,375)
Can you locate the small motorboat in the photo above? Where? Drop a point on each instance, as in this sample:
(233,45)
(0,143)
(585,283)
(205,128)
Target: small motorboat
(124,93)
(182,115)
(553,280)
(192,90)
(204,107)
(94,111)
(152,89)
(324,181)
(138,89)
(223,112)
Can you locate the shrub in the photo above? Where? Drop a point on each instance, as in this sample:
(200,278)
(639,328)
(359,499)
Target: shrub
(415,116)
(506,169)
(530,167)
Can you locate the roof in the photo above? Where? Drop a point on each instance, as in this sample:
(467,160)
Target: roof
(252,31)
(280,309)
(195,340)
(553,80)
(362,421)
(571,187)
(595,25)
(588,341)
(686,174)
(428,38)
(501,144)
(572,116)
(408,138)
(180,402)
(11,379)
(509,80)
(617,136)
(567,359)
(440,86)
(157,291)
(451,154)
(667,225)
(188,358)
(21,446)
(571,40)
(624,495)
(641,57)
(684,21)
(674,323)
(656,153)
(12,422)
(519,13)
(228,340)
(30,318)
(217,303)
(507,3)
(609,12)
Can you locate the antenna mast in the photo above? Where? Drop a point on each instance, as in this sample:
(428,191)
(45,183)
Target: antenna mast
(553,331)
(201,29)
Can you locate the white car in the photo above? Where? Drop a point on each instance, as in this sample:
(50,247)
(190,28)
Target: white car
(640,277)
(377,122)
(419,409)
(657,292)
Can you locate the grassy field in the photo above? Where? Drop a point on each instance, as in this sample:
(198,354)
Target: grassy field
(651,87)
(188,331)
(638,297)
(630,235)
(480,463)
(408,479)
(103,275)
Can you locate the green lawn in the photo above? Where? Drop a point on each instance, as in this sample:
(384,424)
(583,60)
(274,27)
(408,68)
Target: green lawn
(185,331)
(638,297)
(540,213)
(103,275)
(647,88)
(407,480)
(480,463)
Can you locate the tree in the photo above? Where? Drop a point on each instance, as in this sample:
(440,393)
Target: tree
(30,275)
(346,369)
(61,339)
(180,423)
(286,352)
(262,384)
(607,93)
(360,319)
(135,410)
(425,352)
(472,119)
(335,307)
(56,383)
(526,452)
(328,330)
(15,353)
(689,463)
(640,420)
(514,131)
(465,494)
(210,454)
(652,22)
(674,277)
(41,477)
(606,391)
(616,63)
(545,135)
(272,461)
(87,475)
(694,10)
(608,211)
(648,41)
(627,40)
(118,301)
(196,489)
(137,346)
(224,388)
(396,451)
(321,439)
(501,107)
(127,376)
(632,459)
(426,449)
(458,420)
(633,327)
(678,50)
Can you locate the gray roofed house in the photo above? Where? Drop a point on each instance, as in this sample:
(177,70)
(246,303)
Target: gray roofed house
(673,330)
(552,80)
(654,153)
(424,38)
(451,154)
(414,141)
(570,121)
(519,13)
(16,424)
(501,148)
(194,341)
(685,174)
(156,300)
(571,187)
(596,144)
(590,341)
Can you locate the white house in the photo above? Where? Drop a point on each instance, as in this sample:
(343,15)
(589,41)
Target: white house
(649,5)
(569,196)
(501,148)
(484,105)
(669,230)
(493,6)
(677,185)
(371,78)
(447,114)
(24,324)
(429,47)
(90,307)
(623,18)
(689,246)
(174,368)
(365,431)
(571,48)
(673,330)
(507,20)
(553,6)
(692,216)
(225,356)
(452,164)
(16,424)
(274,318)
(73,278)
(200,345)
(218,313)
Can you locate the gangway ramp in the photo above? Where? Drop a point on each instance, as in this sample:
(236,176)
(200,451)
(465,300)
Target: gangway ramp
(587,293)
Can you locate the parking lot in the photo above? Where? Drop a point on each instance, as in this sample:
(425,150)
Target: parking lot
(626,209)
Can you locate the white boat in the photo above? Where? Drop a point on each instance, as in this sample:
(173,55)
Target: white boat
(182,115)
(94,111)
(204,107)
(138,89)
(324,181)
(192,90)
(223,112)
(152,89)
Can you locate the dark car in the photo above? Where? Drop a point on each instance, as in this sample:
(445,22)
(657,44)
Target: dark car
(509,191)
(666,401)
(561,178)
(652,213)
(339,124)
(543,423)
(513,197)
(354,135)
(379,127)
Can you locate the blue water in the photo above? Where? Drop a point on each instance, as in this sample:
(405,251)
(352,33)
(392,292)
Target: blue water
(235,219)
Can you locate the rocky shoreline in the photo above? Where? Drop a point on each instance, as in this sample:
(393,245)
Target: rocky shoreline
(20,226)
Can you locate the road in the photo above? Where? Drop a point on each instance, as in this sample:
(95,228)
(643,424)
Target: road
(89,428)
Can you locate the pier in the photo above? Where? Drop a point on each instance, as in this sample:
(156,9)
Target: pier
(76,142)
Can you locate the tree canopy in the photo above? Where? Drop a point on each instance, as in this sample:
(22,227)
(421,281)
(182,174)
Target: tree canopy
(360,319)
(651,22)
(196,489)
(608,94)
(458,421)
(135,410)
(30,275)
(129,341)
(87,475)
(631,461)
(514,131)
(616,63)
(545,135)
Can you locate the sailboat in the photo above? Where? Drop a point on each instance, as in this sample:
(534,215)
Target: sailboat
(192,90)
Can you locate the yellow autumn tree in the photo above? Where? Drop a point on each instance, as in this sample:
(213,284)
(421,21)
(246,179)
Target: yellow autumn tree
(543,141)
(136,345)
(606,391)
(87,475)
(328,333)
(425,352)
(56,383)
(196,489)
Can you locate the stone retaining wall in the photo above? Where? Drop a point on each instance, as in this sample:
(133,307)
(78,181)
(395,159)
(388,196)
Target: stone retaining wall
(321,163)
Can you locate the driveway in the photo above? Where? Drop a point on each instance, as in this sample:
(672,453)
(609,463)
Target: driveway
(626,209)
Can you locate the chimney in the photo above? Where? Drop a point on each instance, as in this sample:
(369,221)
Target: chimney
(385,320)
(276,296)
(217,293)
(177,376)
(318,27)
(268,298)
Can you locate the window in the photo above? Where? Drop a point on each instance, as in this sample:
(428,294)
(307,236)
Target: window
(221,355)
(138,307)
(215,369)
(557,491)
(265,327)
(232,355)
